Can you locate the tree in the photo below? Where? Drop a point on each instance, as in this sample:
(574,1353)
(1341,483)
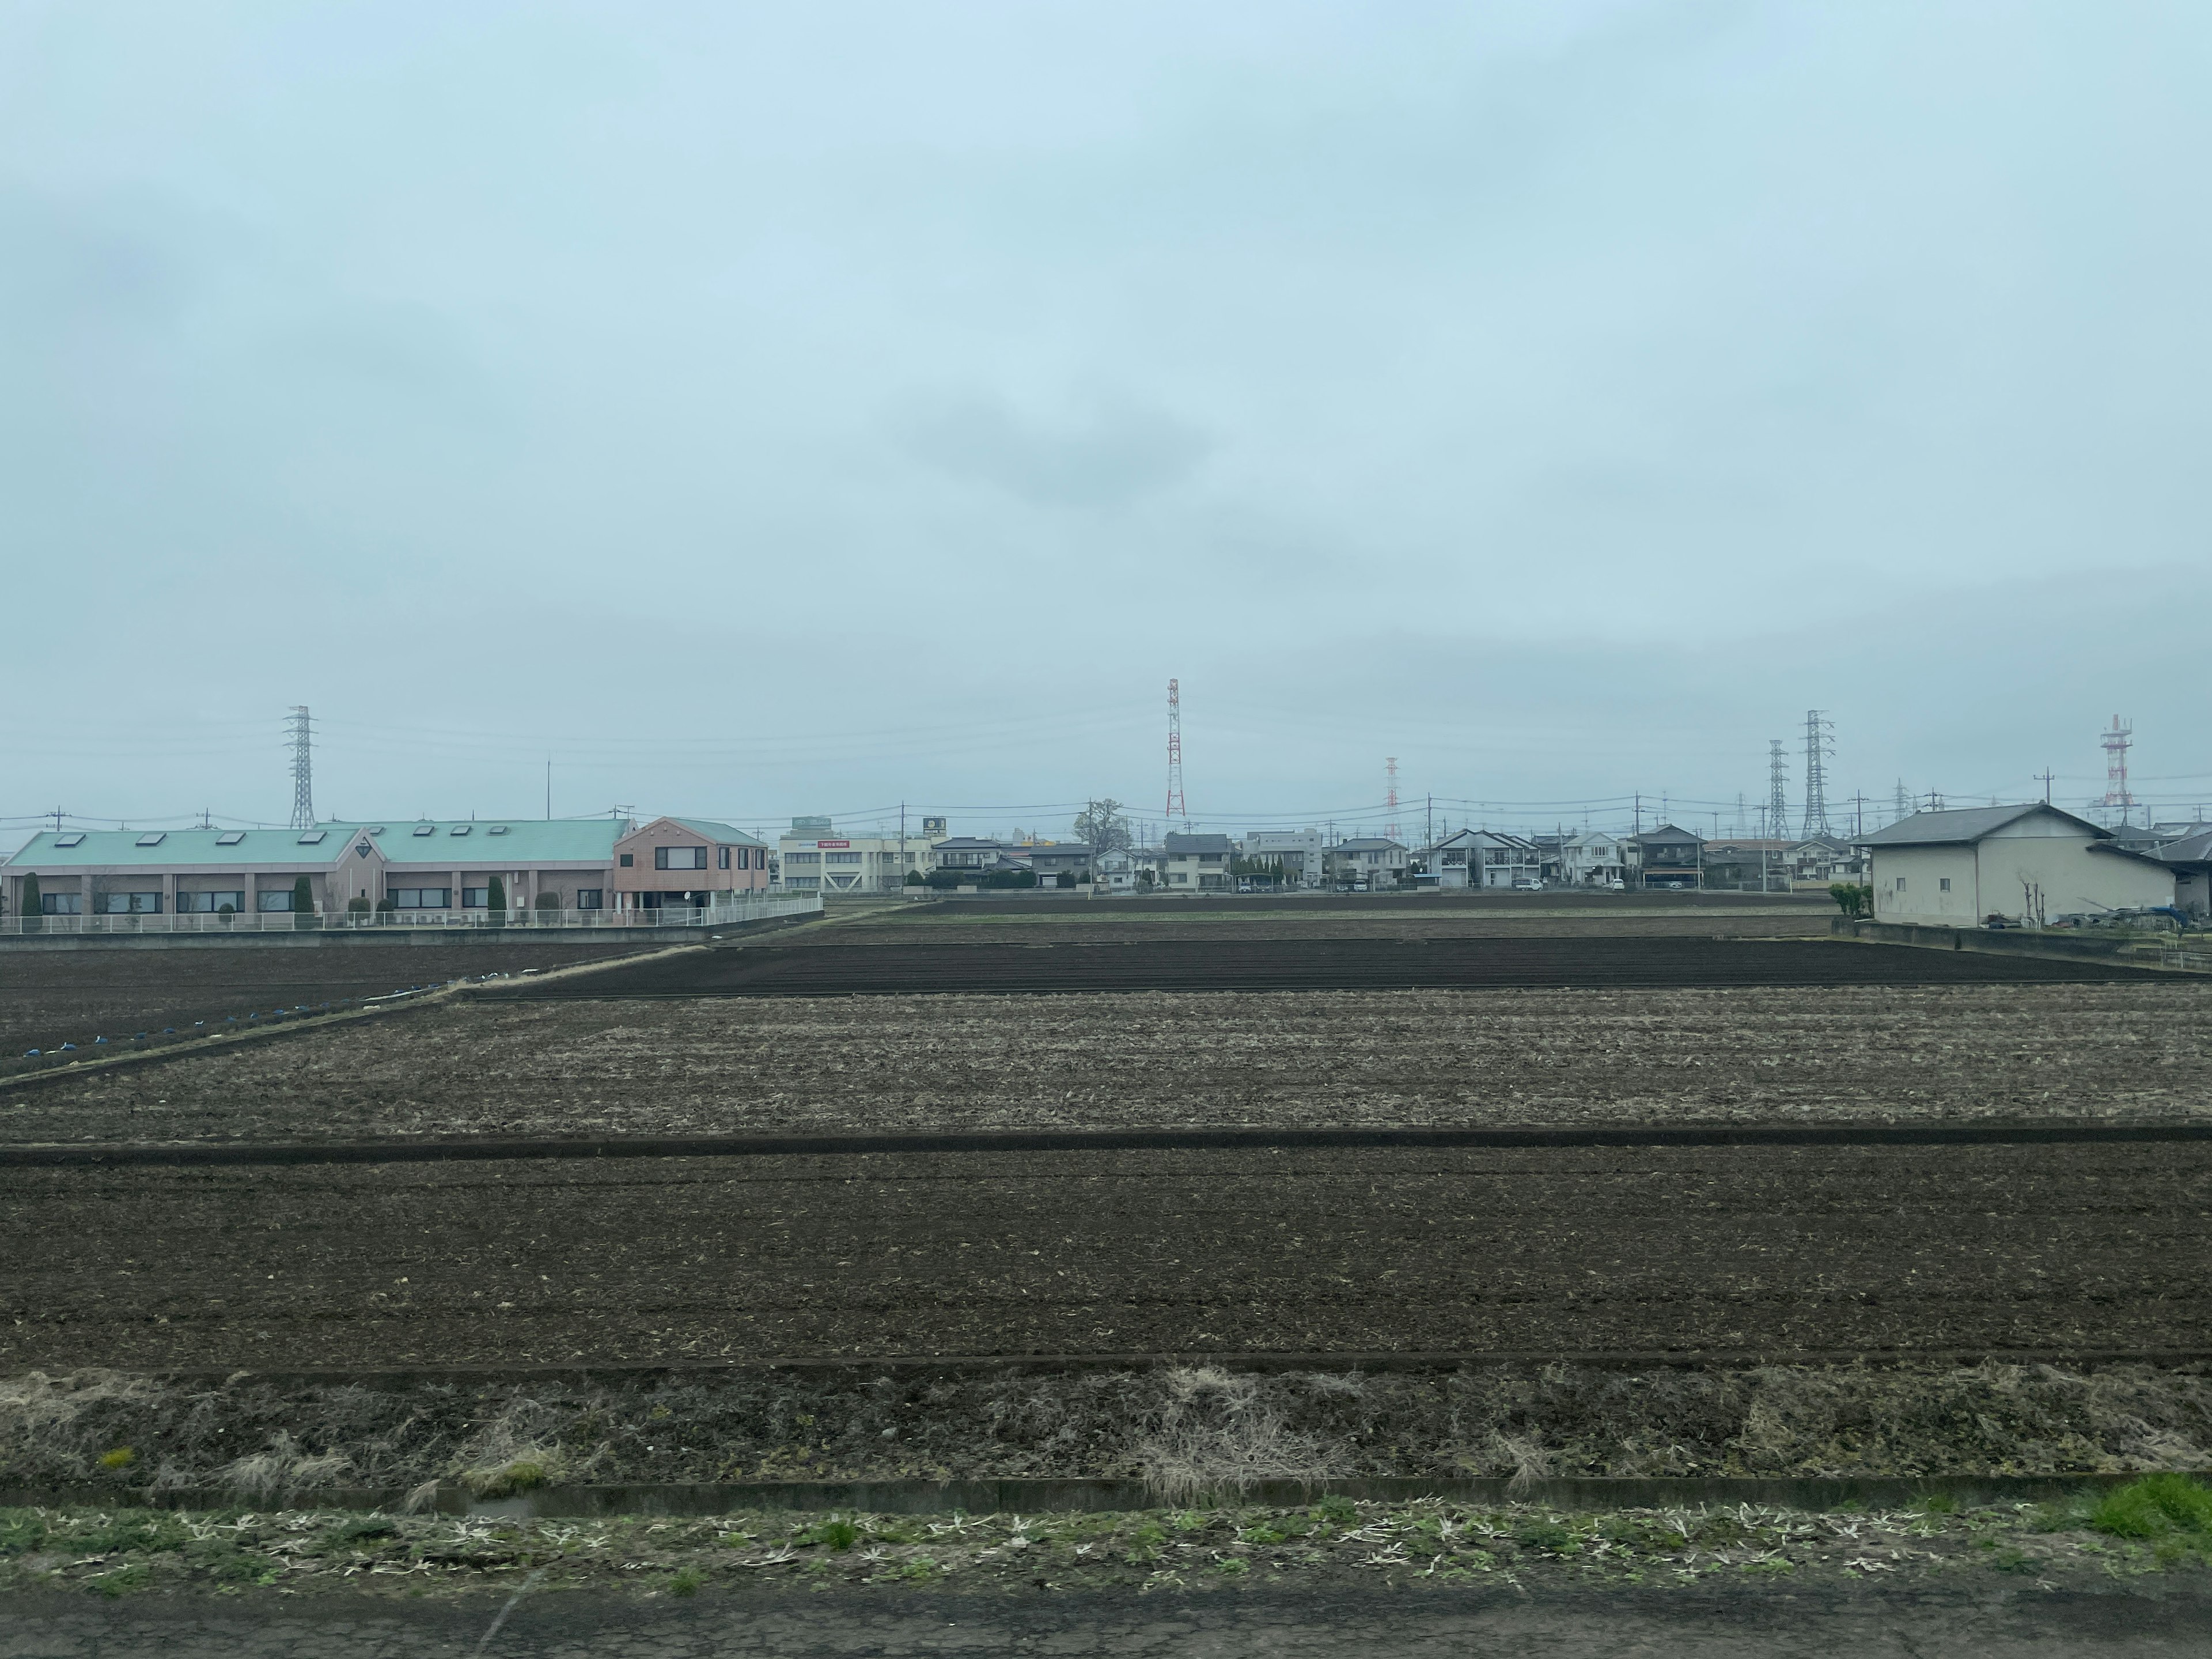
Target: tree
(34,905)
(915,878)
(1851,898)
(303,901)
(549,904)
(495,899)
(1103,827)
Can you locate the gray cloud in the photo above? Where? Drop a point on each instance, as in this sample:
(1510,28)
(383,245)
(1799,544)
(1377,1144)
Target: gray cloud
(1107,452)
(720,396)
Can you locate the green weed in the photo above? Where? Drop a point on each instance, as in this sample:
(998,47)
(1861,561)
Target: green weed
(20,1531)
(686,1582)
(2156,1506)
(838,1534)
(1545,1535)
(136,1575)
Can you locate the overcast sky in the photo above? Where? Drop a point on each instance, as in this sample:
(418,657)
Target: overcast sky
(804,409)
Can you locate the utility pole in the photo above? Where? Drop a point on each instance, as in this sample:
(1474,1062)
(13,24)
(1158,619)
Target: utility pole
(1430,833)
(548,788)
(1639,812)
(902,848)
(58,820)
(2048,777)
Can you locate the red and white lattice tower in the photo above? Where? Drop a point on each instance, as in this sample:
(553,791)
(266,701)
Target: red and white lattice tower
(1176,808)
(2117,743)
(1390,799)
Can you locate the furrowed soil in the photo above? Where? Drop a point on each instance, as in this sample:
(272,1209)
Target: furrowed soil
(1227,961)
(1713,1253)
(2138,1050)
(49,997)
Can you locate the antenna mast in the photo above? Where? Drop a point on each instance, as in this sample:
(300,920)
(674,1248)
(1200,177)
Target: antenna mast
(300,730)
(2117,743)
(1176,806)
(1820,747)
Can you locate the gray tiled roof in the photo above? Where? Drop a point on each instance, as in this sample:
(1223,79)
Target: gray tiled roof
(1955,825)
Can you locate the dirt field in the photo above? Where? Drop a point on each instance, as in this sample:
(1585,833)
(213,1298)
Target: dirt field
(48,998)
(2135,1050)
(1226,961)
(1706,1253)
(1112,924)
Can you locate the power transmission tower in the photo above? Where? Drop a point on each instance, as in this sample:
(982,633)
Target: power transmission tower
(1390,798)
(1176,805)
(300,730)
(1820,748)
(1904,800)
(2117,743)
(1778,791)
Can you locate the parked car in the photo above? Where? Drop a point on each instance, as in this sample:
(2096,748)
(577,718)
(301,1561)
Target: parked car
(1527,886)
(1616,885)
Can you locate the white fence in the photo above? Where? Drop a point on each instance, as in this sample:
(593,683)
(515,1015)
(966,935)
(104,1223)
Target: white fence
(732,910)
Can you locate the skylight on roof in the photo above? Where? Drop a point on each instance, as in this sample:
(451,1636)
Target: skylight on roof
(496,830)
(230,838)
(458,829)
(426,828)
(70,839)
(152,838)
(312,836)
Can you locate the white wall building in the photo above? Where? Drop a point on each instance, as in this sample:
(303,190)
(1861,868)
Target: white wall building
(2027,864)
(1300,850)
(811,861)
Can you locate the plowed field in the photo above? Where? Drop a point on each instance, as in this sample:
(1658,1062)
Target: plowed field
(49,997)
(1431,1058)
(1228,962)
(1703,1253)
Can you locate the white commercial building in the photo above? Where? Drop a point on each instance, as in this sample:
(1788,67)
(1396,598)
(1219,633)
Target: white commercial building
(811,860)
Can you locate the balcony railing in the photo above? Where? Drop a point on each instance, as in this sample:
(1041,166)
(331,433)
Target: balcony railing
(735,910)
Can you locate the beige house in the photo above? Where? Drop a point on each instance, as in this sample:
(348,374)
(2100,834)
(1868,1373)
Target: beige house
(685,861)
(2027,864)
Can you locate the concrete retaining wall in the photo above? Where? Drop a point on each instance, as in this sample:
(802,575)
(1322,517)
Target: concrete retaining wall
(2002,942)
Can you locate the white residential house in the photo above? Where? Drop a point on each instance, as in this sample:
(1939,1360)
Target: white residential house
(1483,857)
(1195,864)
(1367,863)
(2032,864)
(1591,858)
